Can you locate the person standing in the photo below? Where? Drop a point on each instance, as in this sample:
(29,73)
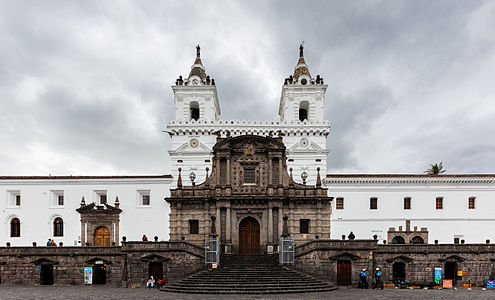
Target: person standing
(145,238)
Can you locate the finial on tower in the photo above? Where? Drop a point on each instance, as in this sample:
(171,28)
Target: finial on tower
(301,49)
(198,54)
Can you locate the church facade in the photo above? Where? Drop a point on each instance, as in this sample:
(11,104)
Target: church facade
(247,170)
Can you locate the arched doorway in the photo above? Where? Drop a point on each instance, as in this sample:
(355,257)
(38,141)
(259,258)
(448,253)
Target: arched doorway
(399,272)
(450,270)
(46,275)
(102,236)
(99,274)
(344,272)
(155,269)
(249,236)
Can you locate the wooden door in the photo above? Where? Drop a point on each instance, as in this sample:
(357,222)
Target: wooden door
(249,236)
(102,236)
(155,270)
(344,272)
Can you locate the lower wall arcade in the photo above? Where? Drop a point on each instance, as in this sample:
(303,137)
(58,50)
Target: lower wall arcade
(335,261)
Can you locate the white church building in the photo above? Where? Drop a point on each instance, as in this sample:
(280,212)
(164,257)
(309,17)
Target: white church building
(443,208)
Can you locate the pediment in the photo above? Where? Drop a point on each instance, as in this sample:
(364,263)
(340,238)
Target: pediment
(92,208)
(186,148)
(44,261)
(345,255)
(259,143)
(400,258)
(96,259)
(312,147)
(153,257)
(454,258)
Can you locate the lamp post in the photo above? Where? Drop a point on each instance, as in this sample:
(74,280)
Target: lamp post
(192,176)
(304,176)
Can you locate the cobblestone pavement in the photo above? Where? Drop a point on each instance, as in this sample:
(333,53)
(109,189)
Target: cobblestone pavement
(101,292)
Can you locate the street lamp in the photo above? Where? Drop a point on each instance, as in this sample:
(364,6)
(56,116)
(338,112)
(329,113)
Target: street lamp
(304,176)
(192,176)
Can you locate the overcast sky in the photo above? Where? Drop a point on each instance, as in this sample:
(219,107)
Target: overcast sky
(85,86)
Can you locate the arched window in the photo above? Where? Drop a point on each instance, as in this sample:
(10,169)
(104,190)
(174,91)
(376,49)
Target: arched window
(58,227)
(303,110)
(417,240)
(15,227)
(194,109)
(398,240)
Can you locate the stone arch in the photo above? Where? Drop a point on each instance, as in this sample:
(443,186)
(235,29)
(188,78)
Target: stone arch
(398,240)
(417,240)
(303,110)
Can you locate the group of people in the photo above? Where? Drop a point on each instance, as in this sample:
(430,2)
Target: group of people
(51,243)
(378,283)
(152,283)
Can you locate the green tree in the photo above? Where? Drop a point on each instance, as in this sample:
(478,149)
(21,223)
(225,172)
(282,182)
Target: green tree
(435,169)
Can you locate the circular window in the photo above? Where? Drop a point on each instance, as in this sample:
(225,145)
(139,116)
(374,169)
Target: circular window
(304,81)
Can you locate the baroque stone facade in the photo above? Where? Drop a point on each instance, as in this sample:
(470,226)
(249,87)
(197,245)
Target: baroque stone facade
(248,192)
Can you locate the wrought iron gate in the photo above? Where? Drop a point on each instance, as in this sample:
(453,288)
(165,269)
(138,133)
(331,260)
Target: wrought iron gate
(212,251)
(286,252)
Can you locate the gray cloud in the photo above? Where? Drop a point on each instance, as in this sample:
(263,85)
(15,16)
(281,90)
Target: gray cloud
(85,86)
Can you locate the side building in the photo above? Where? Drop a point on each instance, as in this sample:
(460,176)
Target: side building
(38,208)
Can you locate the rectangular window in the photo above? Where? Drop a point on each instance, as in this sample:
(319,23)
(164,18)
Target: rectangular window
(407,202)
(14,198)
(471,202)
(456,240)
(60,200)
(103,198)
(249,175)
(193,227)
(304,226)
(439,203)
(373,203)
(275,171)
(340,203)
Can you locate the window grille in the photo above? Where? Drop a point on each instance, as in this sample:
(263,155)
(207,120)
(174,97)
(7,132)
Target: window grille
(407,203)
(304,226)
(17,200)
(373,203)
(471,202)
(439,203)
(146,199)
(340,203)
(60,200)
(58,227)
(193,227)
(15,228)
(249,175)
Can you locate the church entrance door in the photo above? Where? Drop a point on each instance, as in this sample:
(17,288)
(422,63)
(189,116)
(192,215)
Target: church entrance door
(102,236)
(249,236)
(344,272)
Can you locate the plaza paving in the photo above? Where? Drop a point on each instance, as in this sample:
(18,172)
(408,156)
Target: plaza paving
(101,292)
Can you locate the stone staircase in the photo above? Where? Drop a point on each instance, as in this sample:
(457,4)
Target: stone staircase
(249,274)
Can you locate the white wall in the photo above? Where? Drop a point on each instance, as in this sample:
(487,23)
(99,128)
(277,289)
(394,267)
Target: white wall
(37,211)
(454,220)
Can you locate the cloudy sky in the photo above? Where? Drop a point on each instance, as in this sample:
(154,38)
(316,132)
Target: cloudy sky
(85,85)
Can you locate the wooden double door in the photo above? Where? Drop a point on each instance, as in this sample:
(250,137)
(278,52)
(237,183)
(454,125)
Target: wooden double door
(102,236)
(344,269)
(249,236)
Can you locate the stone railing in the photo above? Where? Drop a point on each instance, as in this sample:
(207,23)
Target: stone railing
(169,246)
(321,245)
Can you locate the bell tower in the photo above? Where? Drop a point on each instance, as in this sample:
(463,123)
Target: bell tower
(302,106)
(195,97)
(196,107)
(303,97)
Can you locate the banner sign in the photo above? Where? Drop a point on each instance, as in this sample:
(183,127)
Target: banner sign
(438,275)
(490,284)
(88,275)
(447,284)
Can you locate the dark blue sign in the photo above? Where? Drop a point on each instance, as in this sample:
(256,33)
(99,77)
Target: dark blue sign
(490,284)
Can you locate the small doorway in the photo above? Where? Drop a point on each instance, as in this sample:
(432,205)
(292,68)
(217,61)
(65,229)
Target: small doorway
(46,275)
(399,272)
(344,272)
(155,269)
(249,236)
(102,236)
(99,274)
(450,270)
